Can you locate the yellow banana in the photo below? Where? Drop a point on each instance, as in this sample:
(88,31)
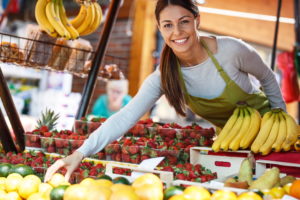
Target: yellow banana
(266,116)
(53,19)
(234,131)
(266,148)
(291,132)
(224,132)
(67,33)
(88,19)
(79,19)
(235,143)
(281,134)
(98,17)
(263,134)
(62,12)
(253,128)
(41,18)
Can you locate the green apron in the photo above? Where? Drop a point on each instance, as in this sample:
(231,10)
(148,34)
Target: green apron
(219,109)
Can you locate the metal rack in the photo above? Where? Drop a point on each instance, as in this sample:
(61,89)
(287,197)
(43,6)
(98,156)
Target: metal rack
(9,144)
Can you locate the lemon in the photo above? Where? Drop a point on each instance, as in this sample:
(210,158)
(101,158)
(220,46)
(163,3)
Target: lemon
(277,192)
(99,193)
(249,196)
(124,195)
(2,183)
(57,179)
(27,187)
(12,196)
(12,182)
(147,179)
(76,191)
(223,195)
(196,192)
(36,196)
(2,195)
(287,188)
(88,182)
(103,183)
(178,197)
(117,187)
(45,188)
(34,178)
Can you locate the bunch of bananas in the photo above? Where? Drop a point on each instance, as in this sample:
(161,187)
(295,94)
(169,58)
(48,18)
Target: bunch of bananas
(239,131)
(278,132)
(51,17)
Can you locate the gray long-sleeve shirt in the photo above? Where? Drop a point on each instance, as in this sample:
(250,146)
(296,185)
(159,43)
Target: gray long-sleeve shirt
(238,59)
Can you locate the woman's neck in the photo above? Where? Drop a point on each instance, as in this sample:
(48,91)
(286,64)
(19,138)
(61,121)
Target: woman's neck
(193,57)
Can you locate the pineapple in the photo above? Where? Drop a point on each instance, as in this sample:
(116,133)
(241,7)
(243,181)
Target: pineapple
(49,119)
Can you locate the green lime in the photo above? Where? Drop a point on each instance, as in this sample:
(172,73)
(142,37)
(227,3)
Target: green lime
(21,169)
(57,193)
(4,169)
(121,180)
(171,191)
(104,176)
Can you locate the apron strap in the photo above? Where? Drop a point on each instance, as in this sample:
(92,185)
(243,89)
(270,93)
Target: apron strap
(223,74)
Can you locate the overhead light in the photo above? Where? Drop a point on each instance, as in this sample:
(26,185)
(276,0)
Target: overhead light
(245,15)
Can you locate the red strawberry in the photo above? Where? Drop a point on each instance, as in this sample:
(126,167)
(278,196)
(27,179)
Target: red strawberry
(135,158)
(125,157)
(118,157)
(145,157)
(133,149)
(181,176)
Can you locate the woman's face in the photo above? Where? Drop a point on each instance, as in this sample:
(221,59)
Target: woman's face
(178,27)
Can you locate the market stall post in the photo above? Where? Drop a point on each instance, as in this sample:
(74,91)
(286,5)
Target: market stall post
(7,142)
(297,45)
(98,58)
(13,117)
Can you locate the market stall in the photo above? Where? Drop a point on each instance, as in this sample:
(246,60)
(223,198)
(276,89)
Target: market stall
(253,156)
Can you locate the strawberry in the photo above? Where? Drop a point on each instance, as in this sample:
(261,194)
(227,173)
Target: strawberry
(180,176)
(133,149)
(118,157)
(125,157)
(145,157)
(135,158)
(43,129)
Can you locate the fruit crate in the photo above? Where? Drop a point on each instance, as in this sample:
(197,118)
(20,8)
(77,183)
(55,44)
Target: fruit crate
(84,127)
(166,177)
(33,140)
(224,163)
(202,137)
(66,146)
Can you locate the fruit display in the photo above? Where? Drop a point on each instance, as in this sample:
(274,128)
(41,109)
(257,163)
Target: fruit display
(86,127)
(51,17)
(276,131)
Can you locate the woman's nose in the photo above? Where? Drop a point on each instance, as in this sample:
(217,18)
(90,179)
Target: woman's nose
(176,30)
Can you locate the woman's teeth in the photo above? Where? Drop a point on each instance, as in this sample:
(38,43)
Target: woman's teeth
(180,41)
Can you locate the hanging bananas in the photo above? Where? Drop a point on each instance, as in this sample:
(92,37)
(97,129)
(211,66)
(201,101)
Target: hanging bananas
(276,131)
(51,17)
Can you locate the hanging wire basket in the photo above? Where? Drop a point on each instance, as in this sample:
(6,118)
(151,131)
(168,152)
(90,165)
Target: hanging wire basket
(59,55)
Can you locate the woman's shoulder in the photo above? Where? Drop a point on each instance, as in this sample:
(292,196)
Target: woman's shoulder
(231,43)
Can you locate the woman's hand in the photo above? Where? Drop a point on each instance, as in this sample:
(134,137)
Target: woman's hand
(70,162)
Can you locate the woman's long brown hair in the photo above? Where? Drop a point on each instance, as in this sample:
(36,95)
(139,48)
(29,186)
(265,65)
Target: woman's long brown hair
(168,65)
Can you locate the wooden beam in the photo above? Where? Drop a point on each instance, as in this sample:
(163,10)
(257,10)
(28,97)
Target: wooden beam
(261,32)
(257,31)
(126,9)
(143,44)
(265,7)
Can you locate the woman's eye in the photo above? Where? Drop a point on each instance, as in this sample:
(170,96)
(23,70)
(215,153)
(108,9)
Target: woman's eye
(167,25)
(185,21)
